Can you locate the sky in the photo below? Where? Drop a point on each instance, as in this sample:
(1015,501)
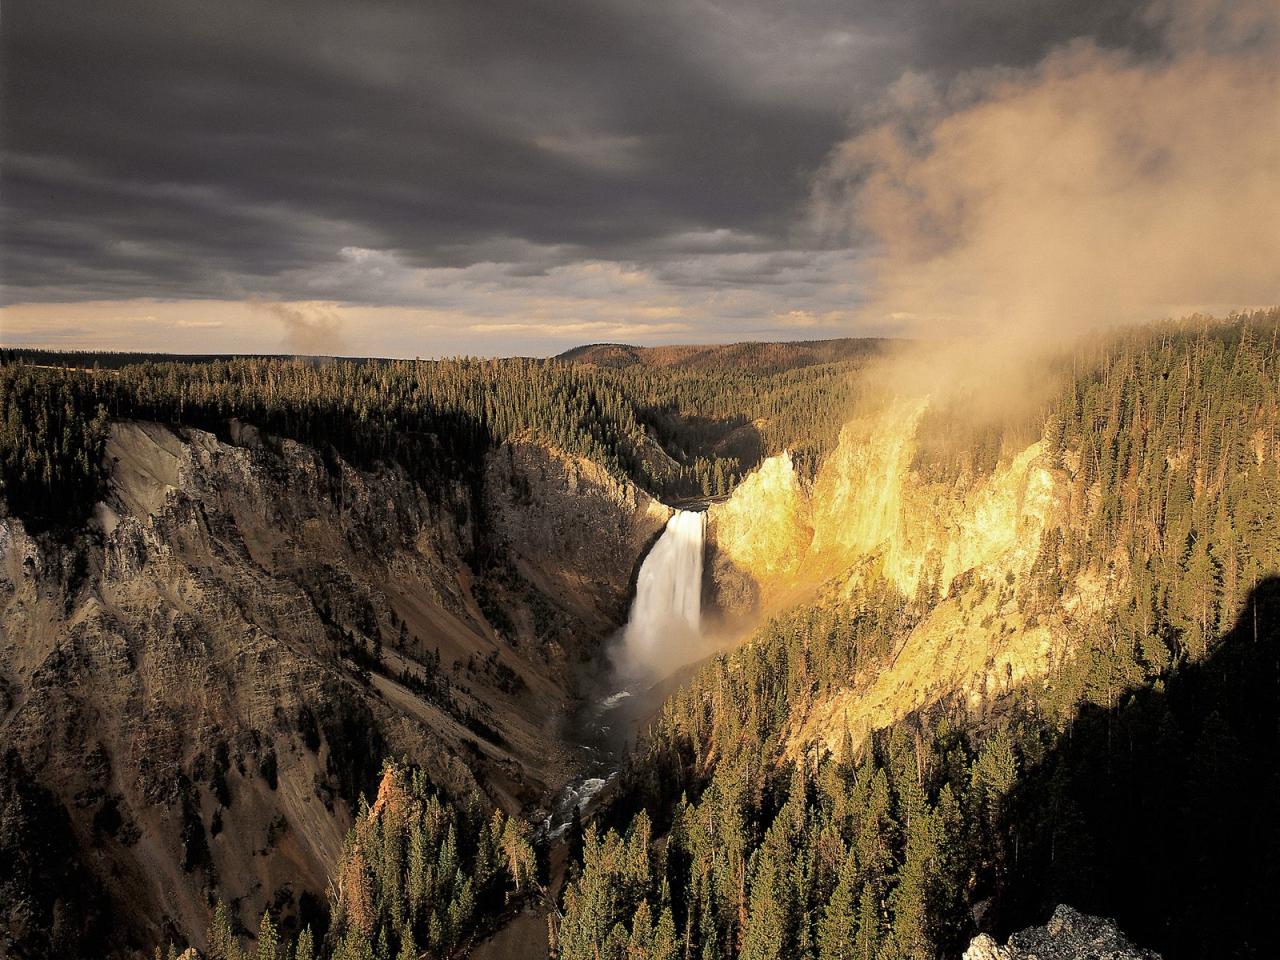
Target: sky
(427,178)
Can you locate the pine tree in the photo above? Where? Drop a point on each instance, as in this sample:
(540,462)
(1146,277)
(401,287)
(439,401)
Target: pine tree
(640,944)
(220,937)
(304,949)
(666,945)
(839,924)
(913,900)
(518,852)
(268,938)
(408,948)
(767,921)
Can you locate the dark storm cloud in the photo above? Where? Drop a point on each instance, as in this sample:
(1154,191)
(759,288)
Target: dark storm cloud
(226,150)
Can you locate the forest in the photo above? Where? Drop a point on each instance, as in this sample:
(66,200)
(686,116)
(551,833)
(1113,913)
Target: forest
(677,432)
(420,874)
(1140,780)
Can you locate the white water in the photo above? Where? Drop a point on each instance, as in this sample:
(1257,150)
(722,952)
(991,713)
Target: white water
(611,701)
(662,634)
(662,630)
(575,798)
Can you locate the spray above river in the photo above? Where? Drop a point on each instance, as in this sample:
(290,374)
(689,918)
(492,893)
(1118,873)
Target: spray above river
(663,629)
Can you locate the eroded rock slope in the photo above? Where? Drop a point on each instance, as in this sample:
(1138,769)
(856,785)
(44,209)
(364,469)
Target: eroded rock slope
(964,544)
(194,692)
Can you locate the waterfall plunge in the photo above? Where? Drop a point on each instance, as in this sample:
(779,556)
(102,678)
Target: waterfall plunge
(662,634)
(662,630)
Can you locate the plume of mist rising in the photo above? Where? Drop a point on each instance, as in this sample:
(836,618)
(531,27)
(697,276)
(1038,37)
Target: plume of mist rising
(1098,187)
(311,328)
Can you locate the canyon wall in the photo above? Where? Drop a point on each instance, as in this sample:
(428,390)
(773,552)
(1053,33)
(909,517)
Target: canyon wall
(571,528)
(962,547)
(197,687)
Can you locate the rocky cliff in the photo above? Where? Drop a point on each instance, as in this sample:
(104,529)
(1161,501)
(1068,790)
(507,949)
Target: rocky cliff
(962,547)
(195,691)
(567,526)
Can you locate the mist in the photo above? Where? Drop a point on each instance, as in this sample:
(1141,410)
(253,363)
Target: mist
(1098,187)
(309,328)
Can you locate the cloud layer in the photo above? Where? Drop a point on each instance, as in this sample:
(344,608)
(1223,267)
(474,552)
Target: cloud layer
(421,178)
(486,308)
(475,152)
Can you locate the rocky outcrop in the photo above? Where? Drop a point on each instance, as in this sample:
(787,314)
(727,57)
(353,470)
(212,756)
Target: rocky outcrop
(758,538)
(205,682)
(1069,935)
(868,503)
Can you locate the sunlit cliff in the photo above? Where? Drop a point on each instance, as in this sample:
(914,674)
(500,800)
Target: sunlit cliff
(962,548)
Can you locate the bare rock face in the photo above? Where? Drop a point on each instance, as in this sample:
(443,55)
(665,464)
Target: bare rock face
(1069,935)
(758,538)
(197,690)
(960,547)
(869,507)
(570,529)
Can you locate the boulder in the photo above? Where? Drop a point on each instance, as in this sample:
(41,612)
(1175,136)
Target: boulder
(1069,935)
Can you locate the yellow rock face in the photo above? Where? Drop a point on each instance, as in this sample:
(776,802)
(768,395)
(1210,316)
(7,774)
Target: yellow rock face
(976,650)
(859,493)
(866,502)
(764,529)
(868,513)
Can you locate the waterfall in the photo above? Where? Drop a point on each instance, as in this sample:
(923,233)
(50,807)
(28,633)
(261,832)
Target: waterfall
(662,634)
(667,611)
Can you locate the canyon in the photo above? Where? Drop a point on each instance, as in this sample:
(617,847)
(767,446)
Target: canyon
(222,627)
(217,671)
(196,675)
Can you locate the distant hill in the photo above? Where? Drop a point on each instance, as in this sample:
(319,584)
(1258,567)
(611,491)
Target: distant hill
(757,357)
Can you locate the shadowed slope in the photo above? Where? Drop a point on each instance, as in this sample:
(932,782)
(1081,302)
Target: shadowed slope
(1163,810)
